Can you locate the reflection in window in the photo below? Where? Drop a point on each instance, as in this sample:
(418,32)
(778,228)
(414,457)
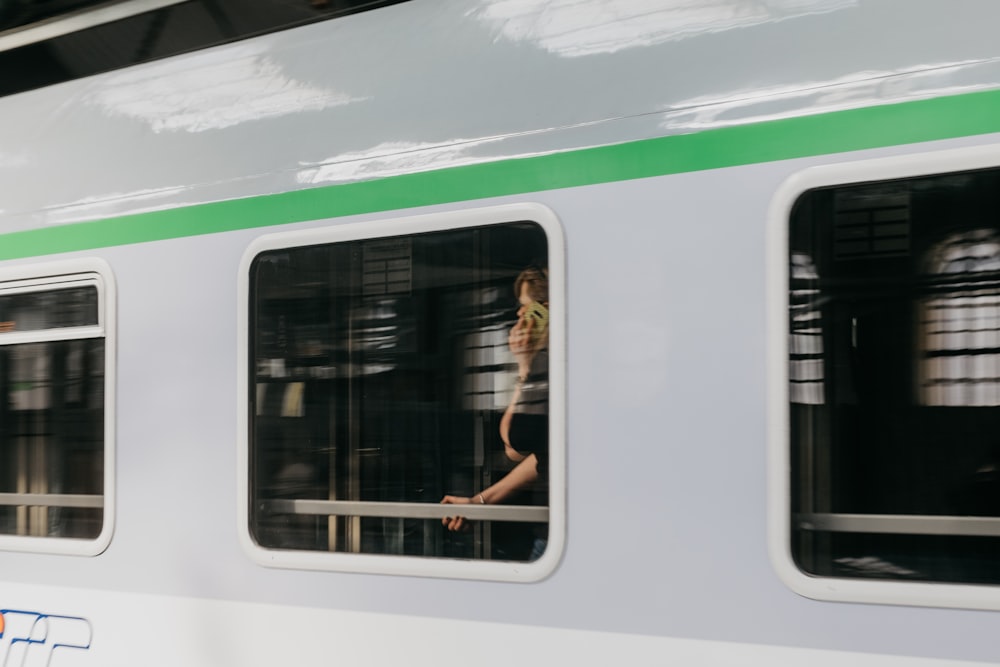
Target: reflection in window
(56,309)
(52,401)
(894,460)
(489,367)
(805,366)
(382,374)
(961,321)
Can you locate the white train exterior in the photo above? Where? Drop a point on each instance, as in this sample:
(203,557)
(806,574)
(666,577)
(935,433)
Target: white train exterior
(661,145)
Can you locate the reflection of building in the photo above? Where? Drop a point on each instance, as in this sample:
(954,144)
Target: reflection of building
(805,355)
(489,367)
(960,322)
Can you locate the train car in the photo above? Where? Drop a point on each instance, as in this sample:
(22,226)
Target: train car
(500,332)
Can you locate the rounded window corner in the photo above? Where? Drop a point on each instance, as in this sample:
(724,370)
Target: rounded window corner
(341,329)
(882,322)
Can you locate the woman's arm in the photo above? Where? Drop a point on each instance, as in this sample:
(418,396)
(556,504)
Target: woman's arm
(508,416)
(520,345)
(523,474)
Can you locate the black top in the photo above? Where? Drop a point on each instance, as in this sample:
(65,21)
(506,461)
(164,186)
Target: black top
(529,425)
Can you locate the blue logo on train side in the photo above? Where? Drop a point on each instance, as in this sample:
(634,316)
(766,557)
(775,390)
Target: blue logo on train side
(34,639)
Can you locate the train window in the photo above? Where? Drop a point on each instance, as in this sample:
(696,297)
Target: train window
(55,422)
(402,396)
(42,43)
(887,454)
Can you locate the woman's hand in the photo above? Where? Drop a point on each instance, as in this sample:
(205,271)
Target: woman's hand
(455,523)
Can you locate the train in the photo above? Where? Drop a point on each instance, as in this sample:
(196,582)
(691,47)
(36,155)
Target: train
(659,332)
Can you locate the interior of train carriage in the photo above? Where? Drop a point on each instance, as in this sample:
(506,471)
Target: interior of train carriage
(43,42)
(51,413)
(894,295)
(382,373)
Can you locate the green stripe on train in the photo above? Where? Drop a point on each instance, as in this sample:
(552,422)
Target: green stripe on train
(841,131)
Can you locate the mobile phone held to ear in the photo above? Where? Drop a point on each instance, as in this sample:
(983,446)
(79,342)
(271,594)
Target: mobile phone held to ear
(538,315)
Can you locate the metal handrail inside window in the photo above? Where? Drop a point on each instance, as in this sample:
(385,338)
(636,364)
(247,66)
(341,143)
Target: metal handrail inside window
(51,500)
(900,524)
(513,513)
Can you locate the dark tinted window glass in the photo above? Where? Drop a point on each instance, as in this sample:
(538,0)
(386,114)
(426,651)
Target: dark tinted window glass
(52,438)
(54,309)
(894,295)
(386,382)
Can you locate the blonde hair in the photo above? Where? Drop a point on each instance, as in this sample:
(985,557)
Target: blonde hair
(537,280)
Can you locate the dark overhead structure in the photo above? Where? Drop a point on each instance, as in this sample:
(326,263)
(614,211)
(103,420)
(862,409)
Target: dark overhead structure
(43,42)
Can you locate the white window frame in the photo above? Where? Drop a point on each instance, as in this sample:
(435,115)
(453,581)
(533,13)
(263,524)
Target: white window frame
(46,278)
(414,565)
(931,594)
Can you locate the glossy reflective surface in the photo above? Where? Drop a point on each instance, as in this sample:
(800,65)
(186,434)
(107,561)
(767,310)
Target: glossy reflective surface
(446,85)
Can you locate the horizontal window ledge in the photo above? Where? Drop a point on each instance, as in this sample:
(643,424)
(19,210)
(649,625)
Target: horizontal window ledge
(51,500)
(900,524)
(51,335)
(472,511)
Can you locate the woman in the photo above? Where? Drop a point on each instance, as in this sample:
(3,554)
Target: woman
(524,427)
